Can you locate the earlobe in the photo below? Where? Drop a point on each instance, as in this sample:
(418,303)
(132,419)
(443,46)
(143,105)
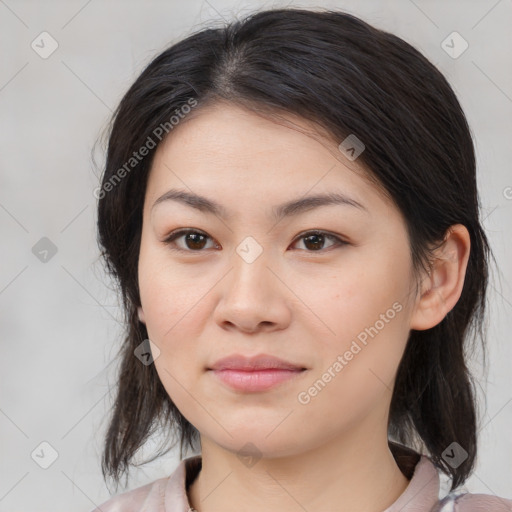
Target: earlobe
(141,315)
(442,287)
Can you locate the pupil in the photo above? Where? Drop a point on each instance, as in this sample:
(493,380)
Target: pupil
(191,237)
(320,237)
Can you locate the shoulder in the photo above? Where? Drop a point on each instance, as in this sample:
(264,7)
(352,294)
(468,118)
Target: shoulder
(165,494)
(467,502)
(149,497)
(481,503)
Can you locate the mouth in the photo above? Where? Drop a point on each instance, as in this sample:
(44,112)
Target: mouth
(255,374)
(256,380)
(260,362)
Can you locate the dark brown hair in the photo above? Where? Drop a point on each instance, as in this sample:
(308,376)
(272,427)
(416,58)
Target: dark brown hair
(336,70)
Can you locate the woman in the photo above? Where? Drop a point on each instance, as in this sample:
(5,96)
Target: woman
(289,205)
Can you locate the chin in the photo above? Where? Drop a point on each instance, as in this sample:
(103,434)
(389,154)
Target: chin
(257,443)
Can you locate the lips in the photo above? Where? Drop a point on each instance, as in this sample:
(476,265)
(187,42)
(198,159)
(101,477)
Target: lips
(255,374)
(259,362)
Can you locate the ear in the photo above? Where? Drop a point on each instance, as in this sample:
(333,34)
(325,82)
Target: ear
(442,287)
(141,315)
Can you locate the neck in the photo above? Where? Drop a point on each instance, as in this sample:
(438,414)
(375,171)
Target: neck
(345,474)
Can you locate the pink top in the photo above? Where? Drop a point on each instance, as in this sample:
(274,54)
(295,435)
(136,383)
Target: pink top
(169,494)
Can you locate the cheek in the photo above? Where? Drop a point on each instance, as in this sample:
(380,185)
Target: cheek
(355,298)
(356,374)
(175,305)
(165,292)
(364,309)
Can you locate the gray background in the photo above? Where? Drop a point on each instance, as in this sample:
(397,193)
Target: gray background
(59,318)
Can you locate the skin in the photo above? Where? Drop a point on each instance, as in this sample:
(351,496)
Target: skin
(296,302)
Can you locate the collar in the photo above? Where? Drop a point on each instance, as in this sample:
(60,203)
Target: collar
(420,495)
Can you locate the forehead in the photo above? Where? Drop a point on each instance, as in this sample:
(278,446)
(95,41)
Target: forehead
(225,130)
(233,152)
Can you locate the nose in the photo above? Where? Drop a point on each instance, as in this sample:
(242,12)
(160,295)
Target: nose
(253,296)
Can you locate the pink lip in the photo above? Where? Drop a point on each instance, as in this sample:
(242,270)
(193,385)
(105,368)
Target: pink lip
(258,362)
(255,380)
(257,373)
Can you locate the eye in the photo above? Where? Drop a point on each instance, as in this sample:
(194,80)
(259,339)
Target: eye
(315,239)
(195,240)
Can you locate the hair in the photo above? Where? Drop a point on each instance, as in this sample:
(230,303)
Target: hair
(337,71)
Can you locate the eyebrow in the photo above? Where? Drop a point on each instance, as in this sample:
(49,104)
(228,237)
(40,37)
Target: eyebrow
(288,209)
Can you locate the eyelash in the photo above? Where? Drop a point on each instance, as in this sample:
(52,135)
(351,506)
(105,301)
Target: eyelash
(178,234)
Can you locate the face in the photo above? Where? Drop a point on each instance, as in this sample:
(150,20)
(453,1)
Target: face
(327,287)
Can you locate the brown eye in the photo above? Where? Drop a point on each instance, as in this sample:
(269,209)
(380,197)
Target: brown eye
(193,240)
(314,241)
(196,241)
